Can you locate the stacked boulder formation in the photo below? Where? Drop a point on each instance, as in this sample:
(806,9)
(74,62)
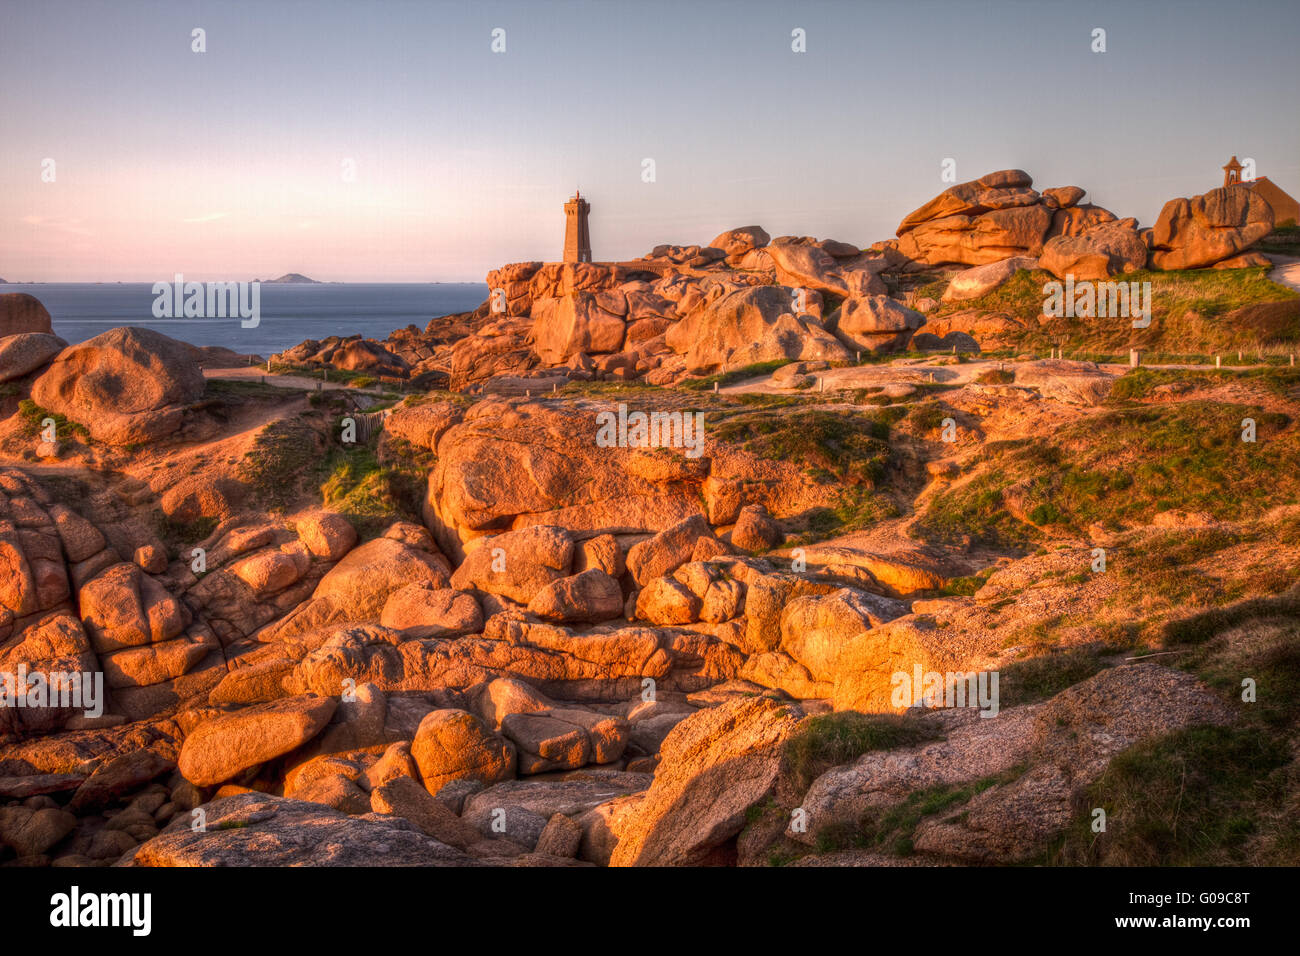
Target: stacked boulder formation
(684,311)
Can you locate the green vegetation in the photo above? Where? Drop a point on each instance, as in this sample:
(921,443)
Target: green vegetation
(1038,678)
(284,453)
(372,492)
(241,390)
(1203,796)
(1284,240)
(929,415)
(1140,383)
(966,586)
(1196,312)
(829,740)
(995,376)
(178,533)
(1210,795)
(34,416)
(1119,467)
(892,829)
(846,448)
(1200,627)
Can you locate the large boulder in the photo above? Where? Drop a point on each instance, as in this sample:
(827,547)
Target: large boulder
(589,596)
(456,745)
(127,385)
(222,747)
(877,323)
(256,829)
(667,550)
(974,282)
(978,240)
(814,629)
(576,323)
(423,424)
(1112,248)
(25,352)
(1075,383)
(363,581)
(362,355)
(741,326)
(517,463)
(737,242)
(358,588)
(1198,232)
(422,611)
(564,739)
(20,312)
(1006,188)
(517,564)
(989,219)
(715,765)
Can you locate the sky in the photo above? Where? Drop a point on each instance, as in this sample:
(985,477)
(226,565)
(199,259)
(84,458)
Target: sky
(386,141)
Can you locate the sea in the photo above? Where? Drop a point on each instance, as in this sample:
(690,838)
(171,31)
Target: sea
(290,313)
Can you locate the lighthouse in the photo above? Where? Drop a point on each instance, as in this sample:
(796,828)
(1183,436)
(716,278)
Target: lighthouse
(577,240)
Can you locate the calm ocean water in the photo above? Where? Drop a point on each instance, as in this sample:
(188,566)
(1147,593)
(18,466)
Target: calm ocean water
(290,313)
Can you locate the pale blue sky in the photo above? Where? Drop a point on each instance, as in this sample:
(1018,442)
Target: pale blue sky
(227,164)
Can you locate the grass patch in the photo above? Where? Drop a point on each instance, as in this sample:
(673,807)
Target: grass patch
(995,376)
(1210,795)
(33,418)
(1200,311)
(1041,677)
(1196,797)
(829,740)
(833,446)
(371,493)
(186,532)
(966,586)
(1200,627)
(848,450)
(283,454)
(1140,383)
(892,829)
(1118,468)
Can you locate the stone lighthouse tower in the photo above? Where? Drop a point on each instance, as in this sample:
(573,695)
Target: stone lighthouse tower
(577,240)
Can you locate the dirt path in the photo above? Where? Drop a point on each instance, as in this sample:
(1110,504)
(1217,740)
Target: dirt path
(916,371)
(302,383)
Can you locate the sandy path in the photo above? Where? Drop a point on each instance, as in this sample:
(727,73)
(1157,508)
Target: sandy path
(257,373)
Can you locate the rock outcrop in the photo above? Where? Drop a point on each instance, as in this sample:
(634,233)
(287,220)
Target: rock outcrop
(127,386)
(1198,232)
(22,313)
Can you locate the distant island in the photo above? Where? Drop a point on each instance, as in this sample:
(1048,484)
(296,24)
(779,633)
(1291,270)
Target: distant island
(291,278)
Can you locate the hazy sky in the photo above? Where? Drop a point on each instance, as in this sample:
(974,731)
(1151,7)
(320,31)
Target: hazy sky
(230,164)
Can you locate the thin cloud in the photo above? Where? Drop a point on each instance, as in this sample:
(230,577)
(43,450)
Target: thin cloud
(206,217)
